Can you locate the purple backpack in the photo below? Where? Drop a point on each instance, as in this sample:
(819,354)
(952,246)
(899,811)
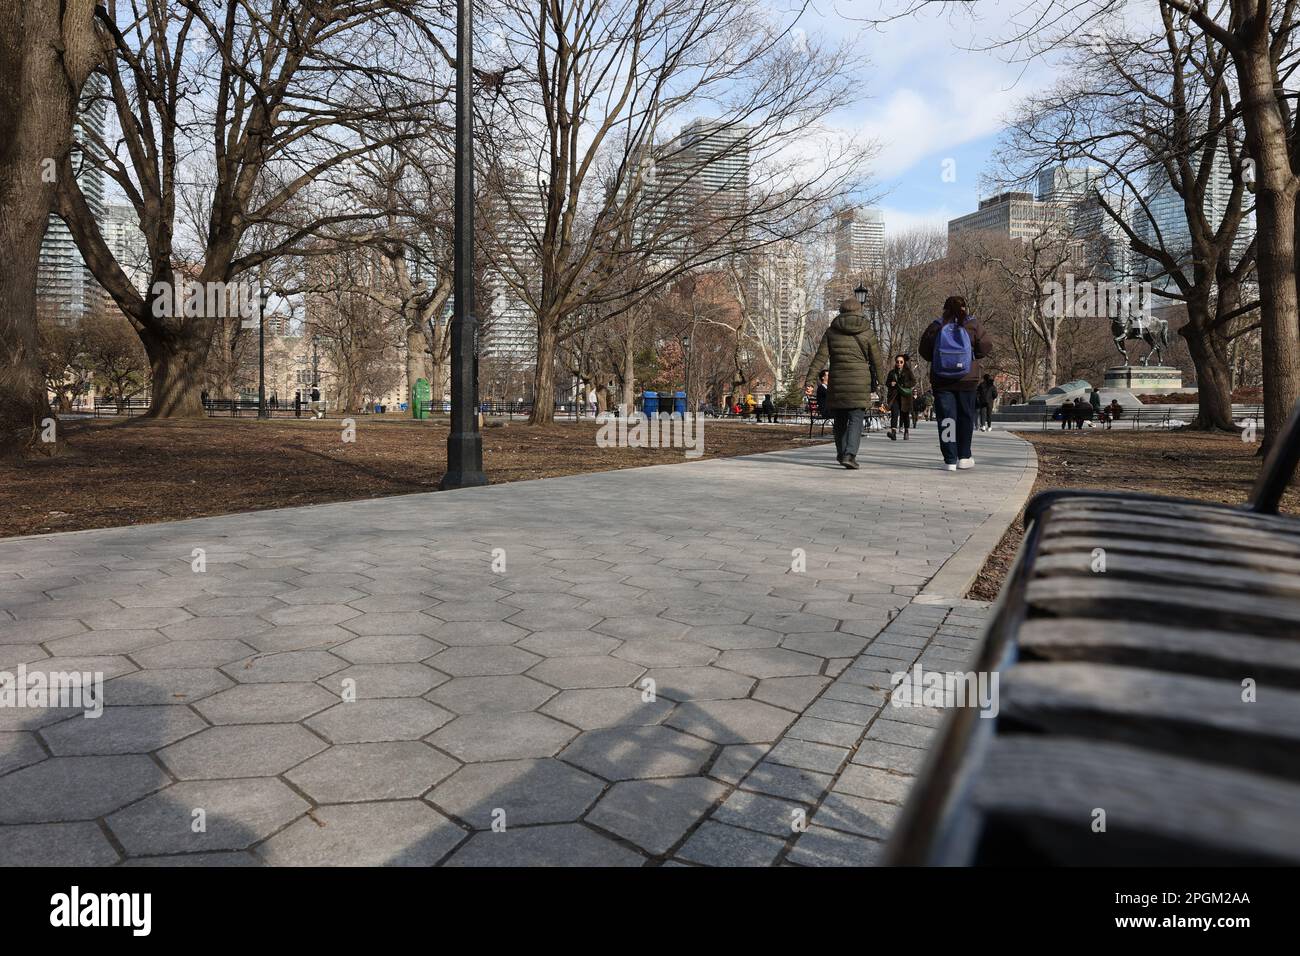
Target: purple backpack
(953,353)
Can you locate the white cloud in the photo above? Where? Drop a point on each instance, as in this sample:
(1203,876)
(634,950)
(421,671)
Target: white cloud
(900,220)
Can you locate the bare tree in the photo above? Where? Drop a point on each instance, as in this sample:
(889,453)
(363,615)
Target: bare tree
(47,51)
(605,208)
(278,97)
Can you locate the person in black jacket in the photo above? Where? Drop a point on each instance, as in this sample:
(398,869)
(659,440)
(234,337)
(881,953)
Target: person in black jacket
(985,393)
(899,385)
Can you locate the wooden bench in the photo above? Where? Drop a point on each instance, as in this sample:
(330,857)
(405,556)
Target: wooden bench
(1124,691)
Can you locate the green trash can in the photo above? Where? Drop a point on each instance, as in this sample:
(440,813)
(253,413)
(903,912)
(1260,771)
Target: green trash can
(421,395)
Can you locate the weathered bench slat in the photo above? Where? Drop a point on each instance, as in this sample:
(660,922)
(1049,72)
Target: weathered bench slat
(1196,717)
(1160,569)
(1159,646)
(1158,808)
(1112,539)
(1171,604)
(1174,532)
(1175,510)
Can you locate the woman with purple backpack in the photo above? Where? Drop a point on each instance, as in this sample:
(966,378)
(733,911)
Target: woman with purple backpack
(953,345)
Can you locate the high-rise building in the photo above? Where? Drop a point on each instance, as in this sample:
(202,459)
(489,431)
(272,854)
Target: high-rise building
(859,241)
(511,330)
(66,289)
(122,235)
(1015,215)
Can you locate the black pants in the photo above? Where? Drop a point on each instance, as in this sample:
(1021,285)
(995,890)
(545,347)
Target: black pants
(986,415)
(896,413)
(848,430)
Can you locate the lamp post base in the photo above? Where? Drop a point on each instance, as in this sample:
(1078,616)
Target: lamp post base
(463,448)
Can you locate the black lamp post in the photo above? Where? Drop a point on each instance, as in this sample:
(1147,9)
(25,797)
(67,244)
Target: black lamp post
(860,293)
(686,359)
(465,442)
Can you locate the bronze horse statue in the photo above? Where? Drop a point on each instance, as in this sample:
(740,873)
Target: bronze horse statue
(1153,331)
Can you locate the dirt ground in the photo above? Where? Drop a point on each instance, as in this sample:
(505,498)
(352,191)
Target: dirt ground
(138,471)
(1219,468)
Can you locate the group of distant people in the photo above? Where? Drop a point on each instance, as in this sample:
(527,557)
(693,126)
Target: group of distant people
(1074,414)
(748,406)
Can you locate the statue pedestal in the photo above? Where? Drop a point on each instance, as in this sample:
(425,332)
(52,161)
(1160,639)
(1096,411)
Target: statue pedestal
(1144,378)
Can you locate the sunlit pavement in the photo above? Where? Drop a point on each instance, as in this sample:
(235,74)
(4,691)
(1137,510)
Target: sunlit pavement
(681,663)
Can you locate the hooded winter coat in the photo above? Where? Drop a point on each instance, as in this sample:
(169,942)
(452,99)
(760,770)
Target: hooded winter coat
(855,360)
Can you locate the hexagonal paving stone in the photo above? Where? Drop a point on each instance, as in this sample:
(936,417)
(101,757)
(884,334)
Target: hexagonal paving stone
(606,707)
(568,643)
(216,628)
(350,773)
(569,673)
(386,603)
(703,616)
(329,579)
(285,667)
(192,654)
(457,611)
(525,600)
(236,814)
(482,737)
(299,637)
(649,627)
(564,844)
(393,718)
(370,681)
(119,641)
(399,833)
(56,844)
(135,618)
(312,614)
(76,788)
(242,750)
(122,730)
(19,749)
(728,637)
(392,622)
(699,683)
(731,721)
(792,693)
(482,695)
(165,685)
(792,623)
(488,660)
(529,791)
(266,704)
(627,753)
(299,596)
(834,644)
(232,606)
(388,649)
(473,633)
(666,653)
(554,619)
(655,814)
(769,662)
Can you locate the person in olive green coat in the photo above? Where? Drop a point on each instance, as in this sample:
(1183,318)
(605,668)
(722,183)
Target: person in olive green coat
(856,364)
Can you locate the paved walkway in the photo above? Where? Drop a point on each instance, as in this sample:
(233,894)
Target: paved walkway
(645,679)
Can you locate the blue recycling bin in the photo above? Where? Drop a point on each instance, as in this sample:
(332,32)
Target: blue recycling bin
(679,403)
(650,403)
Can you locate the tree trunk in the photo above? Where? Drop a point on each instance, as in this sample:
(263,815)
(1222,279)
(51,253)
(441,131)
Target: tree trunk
(1049,363)
(1209,351)
(544,376)
(628,400)
(46,52)
(176,373)
(1275,214)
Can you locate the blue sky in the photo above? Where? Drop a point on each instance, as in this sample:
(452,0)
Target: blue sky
(927,98)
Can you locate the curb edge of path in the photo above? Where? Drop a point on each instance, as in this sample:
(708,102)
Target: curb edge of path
(950,583)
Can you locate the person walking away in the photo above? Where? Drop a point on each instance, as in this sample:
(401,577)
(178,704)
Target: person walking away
(768,410)
(985,393)
(899,385)
(1095,400)
(919,407)
(953,344)
(856,365)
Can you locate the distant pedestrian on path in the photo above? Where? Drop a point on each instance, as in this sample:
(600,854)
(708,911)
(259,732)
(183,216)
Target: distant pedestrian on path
(856,365)
(767,410)
(985,395)
(899,386)
(1095,400)
(953,345)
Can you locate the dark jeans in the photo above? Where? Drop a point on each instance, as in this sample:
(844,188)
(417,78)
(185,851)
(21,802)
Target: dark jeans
(955,413)
(848,430)
(895,414)
(986,415)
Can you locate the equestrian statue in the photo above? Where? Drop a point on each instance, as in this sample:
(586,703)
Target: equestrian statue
(1155,332)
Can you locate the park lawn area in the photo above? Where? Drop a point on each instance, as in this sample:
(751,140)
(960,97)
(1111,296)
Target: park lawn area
(140,471)
(1184,464)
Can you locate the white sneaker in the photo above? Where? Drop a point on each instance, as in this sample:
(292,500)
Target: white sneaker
(950,467)
(965,463)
